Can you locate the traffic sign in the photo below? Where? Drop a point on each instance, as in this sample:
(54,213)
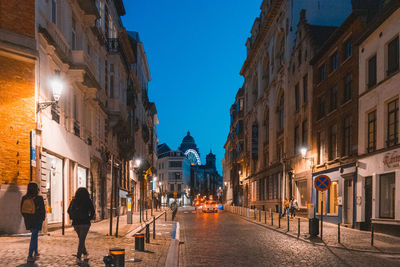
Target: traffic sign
(322,183)
(175,194)
(219,190)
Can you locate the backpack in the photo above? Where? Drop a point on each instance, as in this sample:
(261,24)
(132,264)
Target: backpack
(77,212)
(28,206)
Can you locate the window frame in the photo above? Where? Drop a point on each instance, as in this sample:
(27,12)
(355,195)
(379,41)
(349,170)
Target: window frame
(371,135)
(395,112)
(393,69)
(372,81)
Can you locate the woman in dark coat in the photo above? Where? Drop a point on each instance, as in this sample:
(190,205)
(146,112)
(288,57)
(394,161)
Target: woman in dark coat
(81,211)
(34,222)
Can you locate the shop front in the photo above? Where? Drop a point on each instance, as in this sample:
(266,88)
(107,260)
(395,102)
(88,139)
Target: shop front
(378,192)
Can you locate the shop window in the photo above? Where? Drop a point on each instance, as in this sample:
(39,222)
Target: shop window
(301,193)
(333,196)
(320,194)
(387,195)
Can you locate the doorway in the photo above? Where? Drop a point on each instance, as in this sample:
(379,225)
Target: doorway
(348,202)
(54,186)
(368,204)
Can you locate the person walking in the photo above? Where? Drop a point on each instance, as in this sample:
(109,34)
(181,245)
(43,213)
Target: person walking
(33,211)
(293,207)
(81,211)
(285,207)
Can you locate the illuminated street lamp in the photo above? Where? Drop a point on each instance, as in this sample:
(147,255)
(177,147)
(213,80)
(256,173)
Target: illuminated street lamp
(57,86)
(303,151)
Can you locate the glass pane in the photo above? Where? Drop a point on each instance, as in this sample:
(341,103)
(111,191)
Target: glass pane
(387,195)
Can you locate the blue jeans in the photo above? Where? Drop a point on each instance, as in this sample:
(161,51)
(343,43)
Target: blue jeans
(33,246)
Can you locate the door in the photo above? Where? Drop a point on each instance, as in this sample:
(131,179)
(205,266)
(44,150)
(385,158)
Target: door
(368,203)
(348,201)
(54,189)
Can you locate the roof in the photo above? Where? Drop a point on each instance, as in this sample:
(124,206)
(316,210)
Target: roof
(320,34)
(162,149)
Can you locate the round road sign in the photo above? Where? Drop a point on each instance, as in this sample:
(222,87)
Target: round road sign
(322,183)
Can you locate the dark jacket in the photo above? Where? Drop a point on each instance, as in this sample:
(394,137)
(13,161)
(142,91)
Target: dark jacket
(34,221)
(86,210)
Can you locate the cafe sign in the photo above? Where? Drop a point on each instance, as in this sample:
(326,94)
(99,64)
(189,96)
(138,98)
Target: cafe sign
(391,160)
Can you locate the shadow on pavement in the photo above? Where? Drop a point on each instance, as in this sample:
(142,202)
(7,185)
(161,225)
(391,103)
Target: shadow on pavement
(28,265)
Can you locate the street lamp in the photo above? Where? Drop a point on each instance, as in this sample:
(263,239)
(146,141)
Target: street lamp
(303,151)
(57,86)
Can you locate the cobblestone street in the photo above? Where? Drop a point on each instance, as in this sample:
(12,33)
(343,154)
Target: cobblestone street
(225,239)
(58,250)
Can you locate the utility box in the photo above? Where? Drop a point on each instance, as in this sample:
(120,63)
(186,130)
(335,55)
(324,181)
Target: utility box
(313,227)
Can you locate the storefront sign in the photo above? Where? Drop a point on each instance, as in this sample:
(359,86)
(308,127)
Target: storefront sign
(391,160)
(33,148)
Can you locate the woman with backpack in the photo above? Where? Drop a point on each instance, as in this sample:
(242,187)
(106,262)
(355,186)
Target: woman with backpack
(33,211)
(81,211)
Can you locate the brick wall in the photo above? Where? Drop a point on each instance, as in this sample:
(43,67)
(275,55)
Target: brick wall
(17,119)
(18,16)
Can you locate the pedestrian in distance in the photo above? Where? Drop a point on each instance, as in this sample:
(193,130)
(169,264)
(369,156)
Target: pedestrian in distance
(285,207)
(81,211)
(293,207)
(33,211)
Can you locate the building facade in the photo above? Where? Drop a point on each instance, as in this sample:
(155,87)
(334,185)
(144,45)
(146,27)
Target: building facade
(84,137)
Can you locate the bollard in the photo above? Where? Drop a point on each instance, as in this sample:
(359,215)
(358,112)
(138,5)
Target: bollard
(372,235)
(338,233)
(272,218)
(259,216)
(147,233)
(265,216)
(255,213)
(154,227)
(118,255)
(288,223)
(165,216)
(146,214)
(139,242)
(279,220)
(298,228)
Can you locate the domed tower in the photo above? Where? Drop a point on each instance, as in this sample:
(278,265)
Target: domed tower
(189,148)
(210,160)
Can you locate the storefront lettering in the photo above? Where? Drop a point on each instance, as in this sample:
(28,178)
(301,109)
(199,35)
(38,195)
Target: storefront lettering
(392,160)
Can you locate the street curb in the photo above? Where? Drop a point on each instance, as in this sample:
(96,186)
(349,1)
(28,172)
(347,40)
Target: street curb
(142,226)
(313,243)
(173,251)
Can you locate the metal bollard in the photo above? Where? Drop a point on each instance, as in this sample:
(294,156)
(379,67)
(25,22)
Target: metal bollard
(259,216)
(165,216)
(298,228)
(265,216)
(147,233)
(288,223)
(372,235)
(118,256)
(255,213)
(279,220)
(272,218)
(338,233)
(139,242)
(154,227)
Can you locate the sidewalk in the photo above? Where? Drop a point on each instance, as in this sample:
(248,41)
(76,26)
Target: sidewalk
(58,250)
(351,239)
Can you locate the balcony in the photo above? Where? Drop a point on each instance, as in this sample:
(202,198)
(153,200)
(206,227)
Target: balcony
(81,60)
(89,7)
(55,38)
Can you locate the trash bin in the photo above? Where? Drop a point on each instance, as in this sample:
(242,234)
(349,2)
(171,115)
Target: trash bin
(139,242)
(313,226)
(118,255)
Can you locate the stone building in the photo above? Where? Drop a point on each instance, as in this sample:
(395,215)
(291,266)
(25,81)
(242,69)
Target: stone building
(266,169)
(377,184)
(83,137)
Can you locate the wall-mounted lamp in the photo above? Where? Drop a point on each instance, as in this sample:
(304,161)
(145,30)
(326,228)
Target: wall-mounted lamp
(57,86)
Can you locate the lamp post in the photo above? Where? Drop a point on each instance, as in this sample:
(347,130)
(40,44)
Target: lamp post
(160,194)
(136,167)
(303,151)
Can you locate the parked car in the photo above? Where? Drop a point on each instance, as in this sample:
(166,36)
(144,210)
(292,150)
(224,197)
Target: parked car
(210,206)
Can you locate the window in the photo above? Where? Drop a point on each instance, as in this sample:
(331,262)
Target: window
(334,61)
(372,71)
(305,88)
(321,148)
(321,107)
(393,56)
(371,131)
(299,56)
(301,193)
(111,86)
(75,107)
(387,190)
(332,143)
(320,194)
(322,73)
(281,114)
(171,187)
(333,98)
(333,195)
(73,43)
(347,136)
(175,164)
(279,152)
(348,49)
(348,83)
(392,123)
(179,188)
(304,134)
(297,97)
(296,140)
(54,11)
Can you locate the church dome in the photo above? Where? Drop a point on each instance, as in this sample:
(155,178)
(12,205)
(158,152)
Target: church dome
(188,139)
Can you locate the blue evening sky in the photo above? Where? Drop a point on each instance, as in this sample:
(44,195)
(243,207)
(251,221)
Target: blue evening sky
(195,51)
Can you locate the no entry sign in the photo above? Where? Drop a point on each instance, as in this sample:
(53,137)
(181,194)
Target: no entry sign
(322,183)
